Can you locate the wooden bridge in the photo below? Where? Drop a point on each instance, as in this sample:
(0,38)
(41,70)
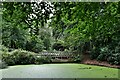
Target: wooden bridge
(57,56)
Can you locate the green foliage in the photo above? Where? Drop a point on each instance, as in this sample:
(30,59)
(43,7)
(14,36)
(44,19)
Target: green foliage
(3,65)
(39,60)
(17,37)
(59,46)
(18,57)
(77,58)
(104,53)
(42,60)
(47,44)
(8,59)
(94,53)
(47,59)
(21,25)
(80,27)
(111,55)
(114,57)
(3,48)
(56,46)
(89,22)
(45,36)
(34,44)
(13,36)
(26,12)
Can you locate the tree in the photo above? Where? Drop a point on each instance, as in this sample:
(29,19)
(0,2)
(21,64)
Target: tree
(92,24)
(25,21)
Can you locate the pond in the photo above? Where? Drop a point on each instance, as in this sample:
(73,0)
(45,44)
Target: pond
(65,70)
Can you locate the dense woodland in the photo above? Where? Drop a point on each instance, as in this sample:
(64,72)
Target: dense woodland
(79,27)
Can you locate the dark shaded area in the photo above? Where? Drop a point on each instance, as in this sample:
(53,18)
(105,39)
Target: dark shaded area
(59,47)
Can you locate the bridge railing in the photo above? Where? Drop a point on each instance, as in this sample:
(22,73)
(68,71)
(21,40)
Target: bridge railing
(58,54)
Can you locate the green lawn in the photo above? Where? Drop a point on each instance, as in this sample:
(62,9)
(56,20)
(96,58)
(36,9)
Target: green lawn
(59,71)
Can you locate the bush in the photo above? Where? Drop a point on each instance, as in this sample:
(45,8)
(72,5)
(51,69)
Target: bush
(41,60)
(35,45)
(111,55)
(104,53)
(3,48)
(8,59)
(77,58)
(19,57)
(59,46)
(94,53)
(3,65)
(114,59)
(48,60)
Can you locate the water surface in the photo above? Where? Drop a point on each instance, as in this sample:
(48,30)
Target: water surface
(59,71)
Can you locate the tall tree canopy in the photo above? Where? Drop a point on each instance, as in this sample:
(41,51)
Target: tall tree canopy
(76,26)
(87,21)
(25,21)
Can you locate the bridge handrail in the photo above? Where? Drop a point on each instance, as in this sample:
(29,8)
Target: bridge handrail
(56,53)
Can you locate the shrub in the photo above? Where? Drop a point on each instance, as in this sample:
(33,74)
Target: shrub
(59,46)
(35,45)
(23,57)
(104,53)
(77,58)
(112,55)
(38,47)
(3,65)
(3,48)
(19,57)
(48,60)
(41,60)
(114,59)
(94,53)
(8,59)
